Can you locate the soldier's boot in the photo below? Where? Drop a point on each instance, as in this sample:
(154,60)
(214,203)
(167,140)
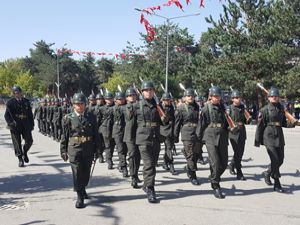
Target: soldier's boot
(172,169)
(267,177)
(26,159)
(134,182)
(217,191)
(125,171)
(165,166)
(151,195)
(85,195)
(240,175)
(201,160)
(21,162)
(193,178)
(277,186)
(138,179)
(231,169)
(110,165)
(80,200)
(101,159)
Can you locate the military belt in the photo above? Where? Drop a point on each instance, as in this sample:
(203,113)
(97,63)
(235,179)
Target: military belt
(276,124)
(150,124)
(215,125)
(81,139)
(21,116)
(191,124)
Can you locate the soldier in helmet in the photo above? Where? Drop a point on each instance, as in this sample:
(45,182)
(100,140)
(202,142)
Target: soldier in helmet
(213,131)
(56,120)
(19,118)
(99,103)
(238,137)
(186,121)
(105,114)
(92,103)
(199,144)
(134,156)
(118,132)
(269,133)
(167,132)
(148,119)
(80,144)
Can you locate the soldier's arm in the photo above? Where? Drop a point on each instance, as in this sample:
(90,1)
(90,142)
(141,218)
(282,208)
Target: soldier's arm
(178,124)
(30,114)
(261,125)
(96,135)
(202,123)
(7,115)
(65,135)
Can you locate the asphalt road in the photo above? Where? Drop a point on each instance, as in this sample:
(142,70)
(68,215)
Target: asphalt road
(41,193)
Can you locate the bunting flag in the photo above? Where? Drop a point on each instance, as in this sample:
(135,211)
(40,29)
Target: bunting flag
(151,10)
(116,55)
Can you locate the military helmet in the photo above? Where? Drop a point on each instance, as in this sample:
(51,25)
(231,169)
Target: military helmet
(130,91)
(166,96)
(92,97)
(273,92)
(16,89)
(189,92)
(99,96)
(147,85)
(119,96)
(235,94)
(79,98)
(215,91)
(108,95)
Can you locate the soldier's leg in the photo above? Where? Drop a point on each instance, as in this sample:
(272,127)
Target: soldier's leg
(78,182)
(189,153)
(238,159)
(27,136)
(168,157)
(108,155)
(215,165)
(133,161)
(223,158)
(121,151)
(86,170)
(275,163)
(39,125)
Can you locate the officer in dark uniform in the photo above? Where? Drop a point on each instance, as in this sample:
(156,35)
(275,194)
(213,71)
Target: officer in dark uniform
(99,103)
(65,108)
(80,144)
(148,122)
(213,130)
(19,119)
(134,156)
(167,132)
(118,132)
(238,137)
(106,114)
(186,122)
(92,103)
(269,133)
(56,121)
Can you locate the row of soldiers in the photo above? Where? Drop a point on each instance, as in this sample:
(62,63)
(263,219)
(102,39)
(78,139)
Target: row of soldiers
(137,127)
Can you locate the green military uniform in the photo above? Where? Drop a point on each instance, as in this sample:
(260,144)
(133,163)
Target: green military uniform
(134,156)
(79,143)
(270,134)
(167,133)
(97,112)
(148,121)
(213,130)
(56,120)
(19,117)
(186,122)
(238,137)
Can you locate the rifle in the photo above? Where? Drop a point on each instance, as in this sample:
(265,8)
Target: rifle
(119,88)
(161,113)
(246,113)
(289,117)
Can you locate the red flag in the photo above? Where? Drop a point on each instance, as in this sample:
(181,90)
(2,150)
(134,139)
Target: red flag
(202,3)
(188,2)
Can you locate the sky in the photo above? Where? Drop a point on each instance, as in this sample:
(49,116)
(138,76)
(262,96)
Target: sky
(89,25)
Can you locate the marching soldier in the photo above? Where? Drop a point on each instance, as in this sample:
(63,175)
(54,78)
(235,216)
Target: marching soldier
(238,137)
(65,108)
(106,114)
(167,132)
(269,133)
(118,132)
(134,156)
(99,103)
(186,121)
(80,144)
(19,118)
(92,103)
(213,131)
(199,144)
(148,120)
(56,121)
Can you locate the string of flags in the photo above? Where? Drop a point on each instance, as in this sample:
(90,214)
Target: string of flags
(151,10)
(122,56)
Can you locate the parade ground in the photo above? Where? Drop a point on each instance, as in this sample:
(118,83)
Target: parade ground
(42,191)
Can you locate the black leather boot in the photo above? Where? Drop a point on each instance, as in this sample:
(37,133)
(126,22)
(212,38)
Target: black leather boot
(80,200)
(165,166)
(231,169)
(151,195)
(172,169)
(217,190)
(85,195)
(134,182)
(125,171)
(277,186)
(21,162)
(240,175)
(267,177)
(26,159)
(101,159)
(193,178)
